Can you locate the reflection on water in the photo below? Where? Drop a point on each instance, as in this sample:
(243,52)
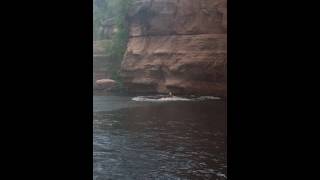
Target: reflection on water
(171,140)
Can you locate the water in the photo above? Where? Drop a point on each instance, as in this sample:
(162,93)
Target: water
(171,139)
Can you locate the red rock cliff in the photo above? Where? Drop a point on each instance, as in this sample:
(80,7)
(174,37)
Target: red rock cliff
(178,46)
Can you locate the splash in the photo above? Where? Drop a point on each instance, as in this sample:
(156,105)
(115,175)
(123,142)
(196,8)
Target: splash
(208,97)
(172,98)
(157,99)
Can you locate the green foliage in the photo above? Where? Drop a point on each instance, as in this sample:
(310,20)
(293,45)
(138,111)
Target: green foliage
(116,10)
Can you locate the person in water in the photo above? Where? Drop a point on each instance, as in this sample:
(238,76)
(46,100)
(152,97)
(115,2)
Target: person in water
(170,94)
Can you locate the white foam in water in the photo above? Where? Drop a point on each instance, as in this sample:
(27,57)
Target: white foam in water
(173,98)
(221,175)
(208,97)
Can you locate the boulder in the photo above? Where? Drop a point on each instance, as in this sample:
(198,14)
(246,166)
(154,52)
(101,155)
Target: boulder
(106,84)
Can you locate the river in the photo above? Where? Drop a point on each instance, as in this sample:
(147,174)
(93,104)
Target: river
(171,139)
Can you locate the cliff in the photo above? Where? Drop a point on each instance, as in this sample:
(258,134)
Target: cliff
(178,46)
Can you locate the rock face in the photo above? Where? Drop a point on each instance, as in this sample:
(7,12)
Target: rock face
(178,46)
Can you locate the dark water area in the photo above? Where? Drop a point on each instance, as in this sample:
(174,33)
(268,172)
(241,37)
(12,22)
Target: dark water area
(159,140)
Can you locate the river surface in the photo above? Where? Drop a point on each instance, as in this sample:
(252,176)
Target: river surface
(177,139)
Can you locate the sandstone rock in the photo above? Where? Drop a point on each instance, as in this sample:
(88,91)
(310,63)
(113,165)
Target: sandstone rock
(167,17)
(105,84)
(177,46)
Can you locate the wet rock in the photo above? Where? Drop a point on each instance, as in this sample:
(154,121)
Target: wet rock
(105,84)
